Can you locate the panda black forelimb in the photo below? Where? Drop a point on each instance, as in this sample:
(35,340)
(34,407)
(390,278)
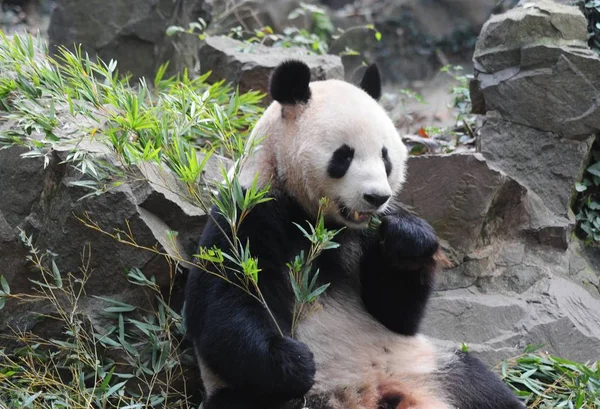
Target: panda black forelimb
(397,272)
(471,385)
(227,398)
(233,333)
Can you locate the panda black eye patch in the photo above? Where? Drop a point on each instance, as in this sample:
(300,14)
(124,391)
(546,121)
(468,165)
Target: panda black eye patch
(340,162)
(386,161)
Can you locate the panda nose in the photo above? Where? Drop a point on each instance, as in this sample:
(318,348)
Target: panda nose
(376,200)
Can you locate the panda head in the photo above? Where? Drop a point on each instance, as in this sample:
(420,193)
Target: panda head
(328,139)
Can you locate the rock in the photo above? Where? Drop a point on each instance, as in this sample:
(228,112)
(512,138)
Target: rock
(250,66)
(533,66)
(132,32)
(51,212)
(528,23)
(555,312)
(543,161)
(457,194)
(161,194)
(12,257)
(23,178)
(417,37)
(257,14)
(517,276)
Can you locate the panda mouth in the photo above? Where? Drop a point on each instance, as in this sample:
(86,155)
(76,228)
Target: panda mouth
(355,216)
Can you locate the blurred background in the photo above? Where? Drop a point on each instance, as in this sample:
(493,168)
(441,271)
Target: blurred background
(424,48)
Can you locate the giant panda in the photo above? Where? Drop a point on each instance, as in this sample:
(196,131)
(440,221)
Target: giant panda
(361,349)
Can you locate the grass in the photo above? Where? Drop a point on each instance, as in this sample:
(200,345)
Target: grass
(134,362)
(544,381)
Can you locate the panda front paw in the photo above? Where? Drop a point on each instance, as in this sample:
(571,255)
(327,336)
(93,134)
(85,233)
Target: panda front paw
(296,368)
(408,239)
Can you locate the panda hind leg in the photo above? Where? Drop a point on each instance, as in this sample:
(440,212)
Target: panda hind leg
(228,398)
(471,385)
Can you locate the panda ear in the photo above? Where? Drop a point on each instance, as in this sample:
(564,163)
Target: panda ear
(371,82)
(289,83)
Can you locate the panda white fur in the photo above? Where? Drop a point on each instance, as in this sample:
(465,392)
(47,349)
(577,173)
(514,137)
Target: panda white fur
(361,349)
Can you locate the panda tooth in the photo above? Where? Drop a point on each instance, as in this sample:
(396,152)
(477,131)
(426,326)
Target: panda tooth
(356,215)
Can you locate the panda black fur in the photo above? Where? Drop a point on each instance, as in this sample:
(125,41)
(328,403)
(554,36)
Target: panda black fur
(361,349)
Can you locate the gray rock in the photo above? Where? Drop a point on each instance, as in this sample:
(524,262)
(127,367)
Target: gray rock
(556,313)
(542,161)
(53,221)
(132,32)
(458,194)
(471,317)
(522,26)
(250,66)
(533,66)
(23,178)
(415,33)
(159,193)
(517,277)
(12,257)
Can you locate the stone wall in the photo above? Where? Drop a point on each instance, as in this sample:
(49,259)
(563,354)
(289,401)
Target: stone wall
(520,276)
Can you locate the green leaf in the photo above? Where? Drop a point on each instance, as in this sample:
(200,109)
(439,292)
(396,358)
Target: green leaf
(106,380)
(115,388)
(119,309)
(107,341)
(114,302)
(56,274)
(4,284)
(121,328)
(313,281)
(594,169)
(580,187)
(378,36)
(295,288)
(312,296)
(594,205)
(30,399)
(304,232)
(532,348)
(171,30)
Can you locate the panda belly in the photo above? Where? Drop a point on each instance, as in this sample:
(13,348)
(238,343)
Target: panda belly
(363,365)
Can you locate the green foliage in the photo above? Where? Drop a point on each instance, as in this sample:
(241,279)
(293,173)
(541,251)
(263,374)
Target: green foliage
(321,23)
(465,120)
(167,122)
(317,39)
(462,132)
(302,277)
(195,27)
(544,381)
(177,123)
(460,92)
(587,205)
(134,362)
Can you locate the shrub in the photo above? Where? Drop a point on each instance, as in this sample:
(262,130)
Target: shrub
(587,205)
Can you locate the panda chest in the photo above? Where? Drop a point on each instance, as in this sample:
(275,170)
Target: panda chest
(351,349)
(349,345)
